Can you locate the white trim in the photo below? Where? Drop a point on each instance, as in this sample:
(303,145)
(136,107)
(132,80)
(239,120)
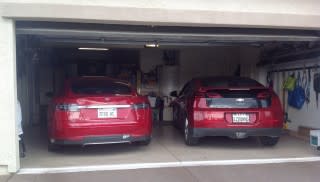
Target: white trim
(164,165)
(103,106)
(102,143)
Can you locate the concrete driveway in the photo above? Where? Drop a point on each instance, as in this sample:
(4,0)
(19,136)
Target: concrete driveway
(286,172)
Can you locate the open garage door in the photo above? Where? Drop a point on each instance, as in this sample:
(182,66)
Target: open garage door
(156,60)
(166,36)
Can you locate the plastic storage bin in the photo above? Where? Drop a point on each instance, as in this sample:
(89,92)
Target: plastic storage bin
(315,138)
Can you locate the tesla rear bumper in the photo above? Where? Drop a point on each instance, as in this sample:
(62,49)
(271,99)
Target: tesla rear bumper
(236,132)
(101,140)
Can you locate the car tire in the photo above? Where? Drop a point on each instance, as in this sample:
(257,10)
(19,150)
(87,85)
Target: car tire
(175,118)
(144,142)
(268,141)
(188,138)
(53,147)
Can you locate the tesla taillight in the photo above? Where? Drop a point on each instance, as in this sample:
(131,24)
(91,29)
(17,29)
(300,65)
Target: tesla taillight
(67,107)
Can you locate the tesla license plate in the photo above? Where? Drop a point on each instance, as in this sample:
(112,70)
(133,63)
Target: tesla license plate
(107,113)
(240,118)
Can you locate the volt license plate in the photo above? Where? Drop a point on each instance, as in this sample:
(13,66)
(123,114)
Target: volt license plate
(240,118)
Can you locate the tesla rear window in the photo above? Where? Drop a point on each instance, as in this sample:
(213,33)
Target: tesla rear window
(100,87)
(230,82)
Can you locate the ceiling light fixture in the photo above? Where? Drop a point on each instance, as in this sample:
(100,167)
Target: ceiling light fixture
(151,45)
(93,48)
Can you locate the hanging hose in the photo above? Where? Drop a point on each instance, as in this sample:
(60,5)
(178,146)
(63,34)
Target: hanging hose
(307,87)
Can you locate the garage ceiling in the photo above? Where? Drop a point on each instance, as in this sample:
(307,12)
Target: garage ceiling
(276,44)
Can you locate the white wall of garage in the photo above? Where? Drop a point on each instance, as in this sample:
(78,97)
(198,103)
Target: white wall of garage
(308,116)
(201,61)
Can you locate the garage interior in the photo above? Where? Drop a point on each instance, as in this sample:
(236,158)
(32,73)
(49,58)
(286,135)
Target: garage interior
(159,60)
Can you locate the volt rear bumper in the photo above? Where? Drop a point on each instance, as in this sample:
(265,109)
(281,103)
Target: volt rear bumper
(236,132)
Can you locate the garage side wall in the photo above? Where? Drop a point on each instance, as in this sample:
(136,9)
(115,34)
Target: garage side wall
(9,159)
(309,115)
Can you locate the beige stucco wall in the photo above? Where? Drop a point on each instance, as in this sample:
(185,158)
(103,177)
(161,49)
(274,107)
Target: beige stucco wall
(8,138)
(244,13)
(302,14)
(271,6)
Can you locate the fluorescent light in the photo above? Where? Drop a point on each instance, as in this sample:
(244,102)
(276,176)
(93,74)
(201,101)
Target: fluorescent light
(93,48)
(151,45)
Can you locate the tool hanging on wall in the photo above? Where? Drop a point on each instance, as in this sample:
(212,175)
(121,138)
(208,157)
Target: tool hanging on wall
(270,80)
(284,104)
(306,80)
(316,86)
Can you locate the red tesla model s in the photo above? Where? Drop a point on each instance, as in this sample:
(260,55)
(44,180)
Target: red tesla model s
(98,110)
(227,106)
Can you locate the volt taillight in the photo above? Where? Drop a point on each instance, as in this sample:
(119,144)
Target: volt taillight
(213,95)
(263,95)
(208,95)
(200,100)
(67,107)
(264,99)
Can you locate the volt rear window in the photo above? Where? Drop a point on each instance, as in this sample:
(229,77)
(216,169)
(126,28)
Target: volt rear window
(238,99)
(88,87)
(224,103)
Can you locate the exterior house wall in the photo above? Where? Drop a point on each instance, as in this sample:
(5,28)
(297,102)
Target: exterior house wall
(212,13)
(9,159)
(209,13)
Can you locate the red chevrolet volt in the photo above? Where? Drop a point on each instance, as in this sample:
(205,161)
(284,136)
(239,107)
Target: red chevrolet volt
(98,110)
(236,107)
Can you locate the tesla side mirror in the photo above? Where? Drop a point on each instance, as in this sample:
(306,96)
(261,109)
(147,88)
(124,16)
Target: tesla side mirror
(174,94)
(49,94)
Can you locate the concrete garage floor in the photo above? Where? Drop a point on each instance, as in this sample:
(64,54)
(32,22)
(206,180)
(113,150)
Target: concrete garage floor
(167,146)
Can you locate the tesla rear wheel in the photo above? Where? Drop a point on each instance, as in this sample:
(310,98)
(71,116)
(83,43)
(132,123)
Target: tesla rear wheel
(144,142)
(268,141)
(188,138)
(53,147)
